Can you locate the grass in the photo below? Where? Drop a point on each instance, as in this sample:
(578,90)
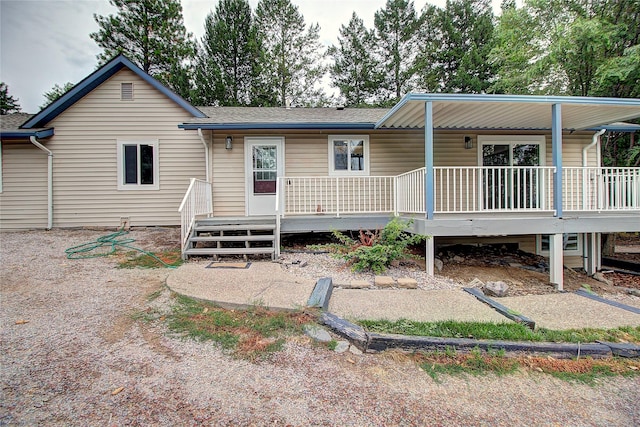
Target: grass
(171,258)
(583,370)
(501,331)
(251,334)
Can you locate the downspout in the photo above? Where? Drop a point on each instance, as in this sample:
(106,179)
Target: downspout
(591,241)
(594,141)
(206,154)
(35,142)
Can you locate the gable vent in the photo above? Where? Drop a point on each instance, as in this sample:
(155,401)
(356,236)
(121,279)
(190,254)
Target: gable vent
(126,91)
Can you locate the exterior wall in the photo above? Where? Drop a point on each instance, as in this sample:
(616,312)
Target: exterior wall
(85,160)
(23,200)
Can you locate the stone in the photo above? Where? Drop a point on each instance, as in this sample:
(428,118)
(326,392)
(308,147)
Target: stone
(476,283)
(407,283)
(600,278)
(458,259)
(302,264)
(355,350)
(317,333)
(342,346)
(438,264)
(384,282)
(358,284)
(496,289)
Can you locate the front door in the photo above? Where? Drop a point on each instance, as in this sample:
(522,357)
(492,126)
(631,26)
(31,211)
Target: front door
(264,163)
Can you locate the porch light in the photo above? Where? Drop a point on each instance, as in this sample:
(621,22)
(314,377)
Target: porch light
(468,142)
(229,143)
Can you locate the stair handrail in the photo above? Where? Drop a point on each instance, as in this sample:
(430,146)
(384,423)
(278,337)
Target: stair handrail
(196,201)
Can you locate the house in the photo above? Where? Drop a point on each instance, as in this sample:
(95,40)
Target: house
(121,149)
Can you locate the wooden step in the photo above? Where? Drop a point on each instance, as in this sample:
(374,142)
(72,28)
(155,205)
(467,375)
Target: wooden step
(242,227)
(229,251)
(245,238)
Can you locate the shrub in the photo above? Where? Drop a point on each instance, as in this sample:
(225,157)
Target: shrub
(377,250)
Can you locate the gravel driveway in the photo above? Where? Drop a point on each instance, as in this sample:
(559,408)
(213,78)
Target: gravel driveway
(68,339)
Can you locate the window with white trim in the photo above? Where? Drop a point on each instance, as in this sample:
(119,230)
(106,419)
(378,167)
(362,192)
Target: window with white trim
(348,155)
(138,165)
(571,244)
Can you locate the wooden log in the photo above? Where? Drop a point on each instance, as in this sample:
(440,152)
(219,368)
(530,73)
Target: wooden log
(354,333)
(584,293)
(321,293)
(505,311)
(381,342)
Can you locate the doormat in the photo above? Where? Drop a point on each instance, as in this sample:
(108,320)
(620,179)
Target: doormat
(234,265)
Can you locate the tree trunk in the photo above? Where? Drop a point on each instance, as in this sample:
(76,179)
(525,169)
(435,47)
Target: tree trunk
(608,244)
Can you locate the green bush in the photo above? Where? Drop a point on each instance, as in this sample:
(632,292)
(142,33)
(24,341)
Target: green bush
(377,250)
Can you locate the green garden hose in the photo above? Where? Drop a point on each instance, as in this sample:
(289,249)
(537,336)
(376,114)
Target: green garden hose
(88,250)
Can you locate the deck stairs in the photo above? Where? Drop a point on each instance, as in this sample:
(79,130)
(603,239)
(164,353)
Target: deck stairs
(233,236)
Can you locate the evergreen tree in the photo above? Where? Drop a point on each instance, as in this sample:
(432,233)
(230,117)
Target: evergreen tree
(56,92)
(396,31)
(355,70)
(465,36)
(152,34)
(227,66)
(8,104)
(291,63)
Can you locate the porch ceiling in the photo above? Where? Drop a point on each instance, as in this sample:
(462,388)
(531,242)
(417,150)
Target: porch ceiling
(457,111)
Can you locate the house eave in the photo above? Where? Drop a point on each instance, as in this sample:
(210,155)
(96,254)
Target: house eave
(26,134)
(277,126)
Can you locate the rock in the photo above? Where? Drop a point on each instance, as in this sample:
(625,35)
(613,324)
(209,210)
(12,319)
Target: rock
(342,346)
(458,259)
(496,289)
(384,282)
(438,264)
(476,283)
(407,283)
(355,350)
(600,278)
(317,333)
(302,264)
(358,284)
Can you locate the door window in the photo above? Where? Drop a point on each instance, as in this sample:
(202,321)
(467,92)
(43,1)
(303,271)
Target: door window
(265,169)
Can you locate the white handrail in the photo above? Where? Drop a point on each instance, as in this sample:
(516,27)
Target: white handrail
(601,188)
(196,201)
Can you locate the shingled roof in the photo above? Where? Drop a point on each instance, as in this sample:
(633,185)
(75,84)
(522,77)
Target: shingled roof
(10,127)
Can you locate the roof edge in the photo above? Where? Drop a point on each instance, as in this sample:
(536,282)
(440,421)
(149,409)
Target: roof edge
(266,126)
(17,134)
(94,80)
(536,99)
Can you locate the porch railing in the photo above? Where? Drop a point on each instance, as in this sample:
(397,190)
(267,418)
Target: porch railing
(337,195)
(410,185)
(601,189)
(495,188)
(196,202)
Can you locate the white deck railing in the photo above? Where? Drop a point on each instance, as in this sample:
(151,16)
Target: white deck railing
(601,189)
(493,188)
(411,195)
(336,195)
(196,201)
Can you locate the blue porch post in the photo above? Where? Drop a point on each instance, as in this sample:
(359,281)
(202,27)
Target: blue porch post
(556,148)
(428,159)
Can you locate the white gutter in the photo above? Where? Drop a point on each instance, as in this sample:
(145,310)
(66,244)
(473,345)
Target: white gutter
(35,142)
(206,154)
(595,140)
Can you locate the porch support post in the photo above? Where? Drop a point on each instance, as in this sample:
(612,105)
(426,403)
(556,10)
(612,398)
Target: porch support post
(428,164)
(556,148)
(590,263)
(555,260)
(429,256)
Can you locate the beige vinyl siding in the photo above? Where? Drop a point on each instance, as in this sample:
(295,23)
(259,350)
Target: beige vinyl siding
(23,201)
(85,160)
(228,177)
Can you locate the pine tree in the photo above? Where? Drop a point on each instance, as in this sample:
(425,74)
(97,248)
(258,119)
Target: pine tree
(8,104)
(291,63)
(56,92)
(152,34)
(396,30)
(355,70)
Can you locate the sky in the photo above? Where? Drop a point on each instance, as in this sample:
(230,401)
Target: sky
(46,42)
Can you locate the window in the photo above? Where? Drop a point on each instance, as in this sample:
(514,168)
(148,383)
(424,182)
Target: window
(126,91)
(348,155)
(571,244)
(138,165)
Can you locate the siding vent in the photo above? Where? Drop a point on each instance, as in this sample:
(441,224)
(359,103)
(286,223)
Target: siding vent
(126,91)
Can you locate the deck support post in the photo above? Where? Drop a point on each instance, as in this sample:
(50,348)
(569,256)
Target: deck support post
(556,260)
(556,148)
(428,160)
(590,253)
(429,256)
